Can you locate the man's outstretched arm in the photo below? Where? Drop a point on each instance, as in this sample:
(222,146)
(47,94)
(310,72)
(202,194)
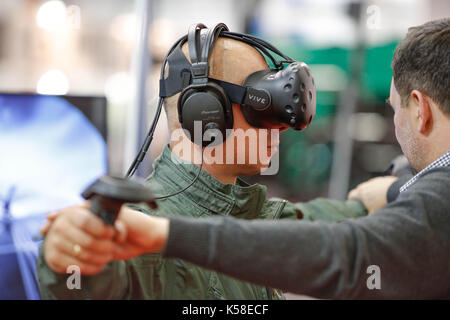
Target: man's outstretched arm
(365,199)
(407,240)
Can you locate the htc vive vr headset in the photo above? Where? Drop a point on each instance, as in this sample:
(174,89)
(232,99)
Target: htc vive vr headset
(281,96)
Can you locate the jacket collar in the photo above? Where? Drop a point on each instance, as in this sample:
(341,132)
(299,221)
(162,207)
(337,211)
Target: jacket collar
(172,174)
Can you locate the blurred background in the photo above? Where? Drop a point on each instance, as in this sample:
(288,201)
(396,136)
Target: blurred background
(79,86)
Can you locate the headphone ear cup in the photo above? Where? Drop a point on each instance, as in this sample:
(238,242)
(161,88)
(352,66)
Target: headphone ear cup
(209,105)
(181,102)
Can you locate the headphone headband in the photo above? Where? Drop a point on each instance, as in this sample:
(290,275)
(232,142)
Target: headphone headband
(194,41)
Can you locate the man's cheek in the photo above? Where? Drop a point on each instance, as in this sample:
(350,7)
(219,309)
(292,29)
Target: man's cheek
(398,135)
(397,127)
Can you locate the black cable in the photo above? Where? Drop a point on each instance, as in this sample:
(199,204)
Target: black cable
(148,140)
(144,150)
(189,185)
(260,44)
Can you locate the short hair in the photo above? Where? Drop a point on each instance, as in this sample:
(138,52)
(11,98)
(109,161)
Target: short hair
(422,62)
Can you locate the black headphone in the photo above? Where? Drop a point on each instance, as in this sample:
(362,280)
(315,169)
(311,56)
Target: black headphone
(204,102)
(269,98)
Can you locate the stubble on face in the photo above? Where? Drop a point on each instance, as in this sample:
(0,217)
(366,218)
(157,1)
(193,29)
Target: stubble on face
(405,131)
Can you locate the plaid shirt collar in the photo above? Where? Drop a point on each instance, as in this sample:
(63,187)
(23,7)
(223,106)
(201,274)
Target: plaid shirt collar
(443,161)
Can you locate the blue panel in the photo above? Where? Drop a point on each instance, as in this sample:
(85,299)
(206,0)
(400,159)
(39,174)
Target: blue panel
(49,152)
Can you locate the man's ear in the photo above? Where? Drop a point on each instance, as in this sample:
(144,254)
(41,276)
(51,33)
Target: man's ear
(422,105)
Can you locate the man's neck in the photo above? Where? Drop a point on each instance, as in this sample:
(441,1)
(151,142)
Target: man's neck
(435,154)
(220,172)
(438,142)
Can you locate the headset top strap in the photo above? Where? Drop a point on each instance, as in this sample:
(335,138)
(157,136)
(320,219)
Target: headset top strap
(263,46)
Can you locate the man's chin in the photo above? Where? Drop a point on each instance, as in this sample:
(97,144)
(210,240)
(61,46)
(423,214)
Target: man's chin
(251,170)
(257,168)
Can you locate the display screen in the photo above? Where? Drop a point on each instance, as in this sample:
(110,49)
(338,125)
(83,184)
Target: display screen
(51,148)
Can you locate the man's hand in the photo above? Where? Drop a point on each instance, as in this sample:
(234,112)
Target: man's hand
(139,233)
(372,193)
(77,237)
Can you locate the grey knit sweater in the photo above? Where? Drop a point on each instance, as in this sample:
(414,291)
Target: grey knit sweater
(408,240)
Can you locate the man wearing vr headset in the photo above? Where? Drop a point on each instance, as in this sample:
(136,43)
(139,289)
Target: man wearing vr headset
(405,243)
(223,83)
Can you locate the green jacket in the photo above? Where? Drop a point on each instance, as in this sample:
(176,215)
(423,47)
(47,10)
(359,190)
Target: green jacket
(152,277)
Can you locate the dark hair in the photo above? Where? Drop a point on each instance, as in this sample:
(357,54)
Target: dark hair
(422,62)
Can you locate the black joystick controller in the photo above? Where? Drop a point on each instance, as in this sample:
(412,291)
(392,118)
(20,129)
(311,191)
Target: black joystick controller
(108,194)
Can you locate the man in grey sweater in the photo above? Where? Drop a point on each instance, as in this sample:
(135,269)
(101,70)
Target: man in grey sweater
(401,251)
